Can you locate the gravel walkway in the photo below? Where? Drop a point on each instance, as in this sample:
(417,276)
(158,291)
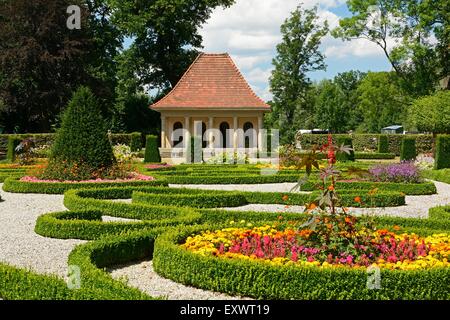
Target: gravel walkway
(142,276)
(19,245)
(416,206)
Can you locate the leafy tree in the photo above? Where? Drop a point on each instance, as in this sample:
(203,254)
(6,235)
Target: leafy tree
(336,103)
(431,113)
(166,35)
(82,140)
(297,54)
(330,112)
(381,102)
(413,23)
(41,61)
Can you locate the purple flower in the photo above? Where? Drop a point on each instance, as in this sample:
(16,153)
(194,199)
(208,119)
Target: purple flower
(399,172)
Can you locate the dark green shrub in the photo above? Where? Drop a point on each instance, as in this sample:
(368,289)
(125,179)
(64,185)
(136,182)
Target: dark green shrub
(136,141)
(383,144)
(374,155)
(151,149)
(82,138)
(348,142)
(442,160)
(408,150)
(13,142)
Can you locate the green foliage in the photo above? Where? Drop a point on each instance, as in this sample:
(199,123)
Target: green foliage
(442,159)
(381,102)
(17,186)
(442,175)
(383,144)
(297,54)
(136,141)
(336,102)
(343,156)
(418,61)
(431,113)
(408,150)
(374,155)
(263,281)
(13,142)
(368,142)
(151,150)
(82,138)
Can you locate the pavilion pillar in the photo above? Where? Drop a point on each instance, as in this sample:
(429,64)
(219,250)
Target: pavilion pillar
(235,133)
(163,132)
(187,132)
(260,127)
(211,135)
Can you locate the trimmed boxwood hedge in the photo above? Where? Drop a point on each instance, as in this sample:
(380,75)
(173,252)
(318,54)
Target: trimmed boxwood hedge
(383,144)
(116,243)
(374,155)
(442,175)
(151,149)
(264,281)
(17,186)
(442,152)
(408,150)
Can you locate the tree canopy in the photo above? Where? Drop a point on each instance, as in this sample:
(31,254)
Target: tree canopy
(297,54)
(431,113)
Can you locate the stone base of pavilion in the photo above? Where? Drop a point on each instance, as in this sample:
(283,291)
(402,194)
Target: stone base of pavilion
(179,155)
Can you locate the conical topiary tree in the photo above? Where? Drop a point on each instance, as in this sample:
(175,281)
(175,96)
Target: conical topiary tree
(82,143)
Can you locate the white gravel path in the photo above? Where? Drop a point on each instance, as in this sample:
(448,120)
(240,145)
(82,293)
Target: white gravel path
(269,187)
(142,276)
(19,245)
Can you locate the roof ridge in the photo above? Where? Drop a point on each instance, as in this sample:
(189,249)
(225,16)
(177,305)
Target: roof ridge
(245,81)
(194,87)
(184,74)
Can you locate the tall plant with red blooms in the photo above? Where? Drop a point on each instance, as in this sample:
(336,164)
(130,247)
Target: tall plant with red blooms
(328,175)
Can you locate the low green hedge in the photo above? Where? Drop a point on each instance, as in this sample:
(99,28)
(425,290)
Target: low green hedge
(264,281)
(121,242)
(424,188)
(374,155)
(442,175)
(17,186)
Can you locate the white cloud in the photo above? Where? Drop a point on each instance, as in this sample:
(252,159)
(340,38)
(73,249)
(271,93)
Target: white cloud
(250,30)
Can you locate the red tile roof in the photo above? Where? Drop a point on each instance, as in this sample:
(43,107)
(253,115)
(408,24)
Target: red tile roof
(212,82)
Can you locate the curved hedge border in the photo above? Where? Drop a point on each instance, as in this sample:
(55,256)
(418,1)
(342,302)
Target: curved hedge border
(264,281)
(374,155)
(123,242)
(17,186)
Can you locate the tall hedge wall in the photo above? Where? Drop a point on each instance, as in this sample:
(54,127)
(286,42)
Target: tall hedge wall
(369,142)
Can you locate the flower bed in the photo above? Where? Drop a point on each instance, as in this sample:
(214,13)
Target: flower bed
(382,248)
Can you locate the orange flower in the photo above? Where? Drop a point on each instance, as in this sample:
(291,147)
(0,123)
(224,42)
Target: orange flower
(345,210)
(331,188)
(312,206)
(358,199)
(285,197)
(280,217)
(396,228)
(348,219)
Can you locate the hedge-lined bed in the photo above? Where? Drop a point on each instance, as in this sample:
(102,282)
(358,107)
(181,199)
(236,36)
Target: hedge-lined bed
(116,243)
(442,175)
(264,281)
(18,186)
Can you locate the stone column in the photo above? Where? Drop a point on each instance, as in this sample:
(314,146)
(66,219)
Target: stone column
(260,127)
(163,132)
(235,135)
(210,138)
(187,135)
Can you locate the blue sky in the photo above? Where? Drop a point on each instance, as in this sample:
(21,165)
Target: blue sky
(249,31)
